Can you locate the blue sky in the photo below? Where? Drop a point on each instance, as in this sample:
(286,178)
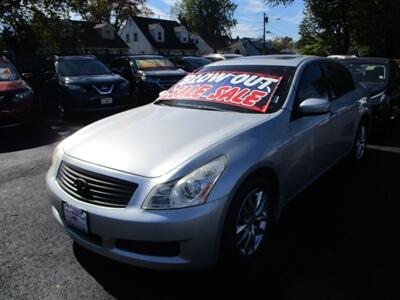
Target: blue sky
(249,15)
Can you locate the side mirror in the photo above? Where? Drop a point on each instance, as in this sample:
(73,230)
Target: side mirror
(314,106)
(116,71)
(26,76)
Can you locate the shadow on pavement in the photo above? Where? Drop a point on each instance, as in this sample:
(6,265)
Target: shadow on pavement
(47,130)
(336,240)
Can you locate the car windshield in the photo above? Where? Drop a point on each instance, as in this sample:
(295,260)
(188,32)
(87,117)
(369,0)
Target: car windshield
(8,72)
(247,89)
(81,67)
(154,63)
(368,71)
(196,62)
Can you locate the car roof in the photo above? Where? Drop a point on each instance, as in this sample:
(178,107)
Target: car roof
(365,58)
(267,60)
(72,57)
(144,56)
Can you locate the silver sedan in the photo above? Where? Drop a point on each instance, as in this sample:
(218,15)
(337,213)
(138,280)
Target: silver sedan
(199,176)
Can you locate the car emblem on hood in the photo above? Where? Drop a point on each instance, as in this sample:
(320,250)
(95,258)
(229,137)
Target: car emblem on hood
(104,88)
(81,186)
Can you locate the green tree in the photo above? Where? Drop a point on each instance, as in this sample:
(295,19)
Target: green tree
(349,26)
(110,11)
(212,19)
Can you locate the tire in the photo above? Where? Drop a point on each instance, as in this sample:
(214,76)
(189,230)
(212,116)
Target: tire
(359,150)
(247,224)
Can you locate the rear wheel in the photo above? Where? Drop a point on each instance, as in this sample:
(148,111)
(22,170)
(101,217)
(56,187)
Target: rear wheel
(247,224)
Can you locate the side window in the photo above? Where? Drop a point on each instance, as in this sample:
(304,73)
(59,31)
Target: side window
(313,84)
(340,79)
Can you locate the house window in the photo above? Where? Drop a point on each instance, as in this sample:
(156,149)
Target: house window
(159,36)
(135,37)
(127,37)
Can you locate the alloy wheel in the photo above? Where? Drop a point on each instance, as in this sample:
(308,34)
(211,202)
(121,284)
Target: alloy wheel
(361,142)
(251,222)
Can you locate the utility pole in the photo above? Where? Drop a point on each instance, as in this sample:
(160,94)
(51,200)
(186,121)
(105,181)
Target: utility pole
(265,21)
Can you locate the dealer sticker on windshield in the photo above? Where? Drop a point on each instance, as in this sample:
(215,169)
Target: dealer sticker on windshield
(246,90)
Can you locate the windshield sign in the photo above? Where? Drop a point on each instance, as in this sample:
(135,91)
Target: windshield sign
(154,64)
(252,91)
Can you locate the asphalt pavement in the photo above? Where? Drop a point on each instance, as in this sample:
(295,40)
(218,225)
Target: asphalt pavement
(337,240)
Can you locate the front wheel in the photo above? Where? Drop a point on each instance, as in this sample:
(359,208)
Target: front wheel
(247,224)
(360,143)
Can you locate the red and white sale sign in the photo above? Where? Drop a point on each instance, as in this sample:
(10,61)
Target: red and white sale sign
(247,90)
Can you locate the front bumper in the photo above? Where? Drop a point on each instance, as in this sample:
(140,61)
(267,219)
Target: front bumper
(94,104)
(16,118)
(194,231)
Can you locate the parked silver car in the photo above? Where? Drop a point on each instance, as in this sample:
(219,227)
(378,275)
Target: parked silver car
(199,175)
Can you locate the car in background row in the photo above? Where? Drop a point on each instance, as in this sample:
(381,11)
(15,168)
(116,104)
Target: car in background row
(17,102)
(190,63)
(82,84)
(147,74)
(381,77)
(218,57)
(201,174)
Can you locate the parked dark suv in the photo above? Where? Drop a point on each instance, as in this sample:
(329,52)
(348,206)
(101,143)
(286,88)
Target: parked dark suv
(82,84)
(381,77)
(148,74)
(17,103)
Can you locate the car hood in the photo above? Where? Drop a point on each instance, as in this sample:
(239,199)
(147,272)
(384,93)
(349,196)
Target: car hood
(93,79)
(165,73)
(152,140)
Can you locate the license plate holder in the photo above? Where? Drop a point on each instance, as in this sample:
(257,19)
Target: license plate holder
(105,101)
(76,217)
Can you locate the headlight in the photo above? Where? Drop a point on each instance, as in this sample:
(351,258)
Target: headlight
(22,96)
(380,98)
(123,86)
(56,156)
(75,88)
(190,190)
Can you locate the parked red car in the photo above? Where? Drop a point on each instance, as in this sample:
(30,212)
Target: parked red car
(17,105)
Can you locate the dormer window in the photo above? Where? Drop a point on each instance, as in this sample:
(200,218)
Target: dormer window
(159,36)
(135,37)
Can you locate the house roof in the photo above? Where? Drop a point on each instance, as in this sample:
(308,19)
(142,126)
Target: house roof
(91,38)
(170,40)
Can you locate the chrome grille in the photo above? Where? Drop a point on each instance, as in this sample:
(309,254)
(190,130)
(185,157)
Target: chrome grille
(94,188)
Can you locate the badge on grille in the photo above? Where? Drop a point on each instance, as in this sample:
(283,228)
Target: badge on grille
(81,186)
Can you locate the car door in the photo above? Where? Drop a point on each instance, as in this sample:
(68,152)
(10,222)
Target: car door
(344,107)
(308,131)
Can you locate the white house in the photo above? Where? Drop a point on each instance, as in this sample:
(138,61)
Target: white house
(156,36)
(201,44)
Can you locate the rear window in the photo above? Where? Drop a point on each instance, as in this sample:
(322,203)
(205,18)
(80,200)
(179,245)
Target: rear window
(368,71)
(259,89)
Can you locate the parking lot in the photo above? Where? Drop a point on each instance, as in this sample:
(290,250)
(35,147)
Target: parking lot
(337,240)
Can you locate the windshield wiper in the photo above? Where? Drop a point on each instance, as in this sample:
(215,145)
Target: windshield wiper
(201,107)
